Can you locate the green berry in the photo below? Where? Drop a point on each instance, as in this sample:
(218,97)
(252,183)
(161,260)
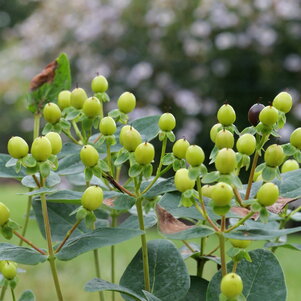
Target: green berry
(4,214)
(214,130)
(130,138)
(207,190)
(226,115)
(195,155)
(9,270)
(56,142)
(41,148)
(123,130)
(167,122)
(268,194)
(238,243)
(126,102)
(92,107)
(52,113)
(92,198)
(89,155)
(231,285)
(289,165)
(182,180)
(295,138)
(222,194)
(283,102)
(268,116)
(99,84)
(221,210)
(107,126)
(224,139)
(246,144)
(145,153)
(64,99)
(274,155)
(225,161)
(17,147)
(78,98)
(180,147)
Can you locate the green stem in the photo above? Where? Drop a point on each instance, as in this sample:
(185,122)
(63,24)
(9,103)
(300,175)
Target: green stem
(101,110)
(97,270)
(144,245)
(222,246)
(113,224)
(77,131)
(109,159)
(240,222)
(3,291)
(68,134)
(13,294)
(36,125)
(235,263)
(29,203)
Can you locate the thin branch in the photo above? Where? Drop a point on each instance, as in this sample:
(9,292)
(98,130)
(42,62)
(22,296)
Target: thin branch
(29,243)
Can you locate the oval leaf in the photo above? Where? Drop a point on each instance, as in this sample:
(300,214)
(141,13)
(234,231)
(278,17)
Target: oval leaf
(27,296)
(197,290)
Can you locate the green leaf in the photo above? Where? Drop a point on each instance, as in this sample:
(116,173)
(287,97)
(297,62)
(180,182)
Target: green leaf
(8,172)
(103,165)
(123,202)
(147,127)
(132,222)
(262,278)
(147,171)
(194,173)
(171,136)
(51,181)
(269,173)
(178,163)
(88,174)
(150,297)
(70,165)
(197,290)
(29,161)
(135,170)
(295,247)
(193,232)
(40,191)
(27,296)
(161,187)
(65,196)
(11,162)
(249,130)
(98,238)
(297,156)
(20,254)
(289,149)
(168,159)
(123,157)
(44,169)
(210,177)
(169,279)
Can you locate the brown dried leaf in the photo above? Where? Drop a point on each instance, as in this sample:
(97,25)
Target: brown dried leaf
(46,76)
(280,204)
(242,212)
(167,223)
(108,202)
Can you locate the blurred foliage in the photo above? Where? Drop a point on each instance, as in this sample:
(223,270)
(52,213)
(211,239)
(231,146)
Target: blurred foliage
(187,57)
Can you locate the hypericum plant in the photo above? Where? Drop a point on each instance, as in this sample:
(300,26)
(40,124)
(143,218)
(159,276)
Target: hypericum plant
(109,159)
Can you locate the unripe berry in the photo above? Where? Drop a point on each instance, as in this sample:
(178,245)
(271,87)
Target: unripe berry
(107,126)
(41,148)
(99,84)
(64,98)
(89,155)
(130,139)
(224,139)
(123,130)
(289,165)
(225,161)
(9,270)
(253,114)
(78,98)
(195,155)
(295,138)
(268,194)
(222,194)
(231,285)
(246,144)
(182,180)
(56,142)
(268,116)
(92,198)
(17,147)
(52,113)
(238,243)
(4,214)
(274,155)
(226,115)
(167,122)
(126,102)
(92,107)
(180,147)
(283,102)
(145,153)
(207,190)
(214,130)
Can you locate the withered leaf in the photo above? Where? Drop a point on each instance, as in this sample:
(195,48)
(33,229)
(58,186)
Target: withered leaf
(108,202)
(242,212)
(278,206)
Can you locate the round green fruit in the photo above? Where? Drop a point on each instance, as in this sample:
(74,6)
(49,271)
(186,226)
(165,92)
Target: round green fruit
(207,190)
(4,214)
(92,107)
(268,116)
(126,102)
(41,148)
(221,210)
(231,285)
(89,155)
(99,84)
(182,180)
(295,138)
(222,194)
(63,99)
(289,165)
(224,139)
(283,102)
(225,161)
(226,115)
(274,155)
(195,155)
(180,147)
(246,144)
(123,130)
(17,147)
(167,122)
(130,138)
(78,98)
(56,142)
(238,243)
(268,194)
(107,126)
(92,198)
(214,130)
(52,113)
(9,270)
(145,153)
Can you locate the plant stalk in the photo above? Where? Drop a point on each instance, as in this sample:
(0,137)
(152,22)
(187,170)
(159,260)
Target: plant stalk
(29,203)
(251,176)
(222,246)
(13,294)
(113,257)
(109,159)
(240,222)
(22,238)
(97,270)
(3,291)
